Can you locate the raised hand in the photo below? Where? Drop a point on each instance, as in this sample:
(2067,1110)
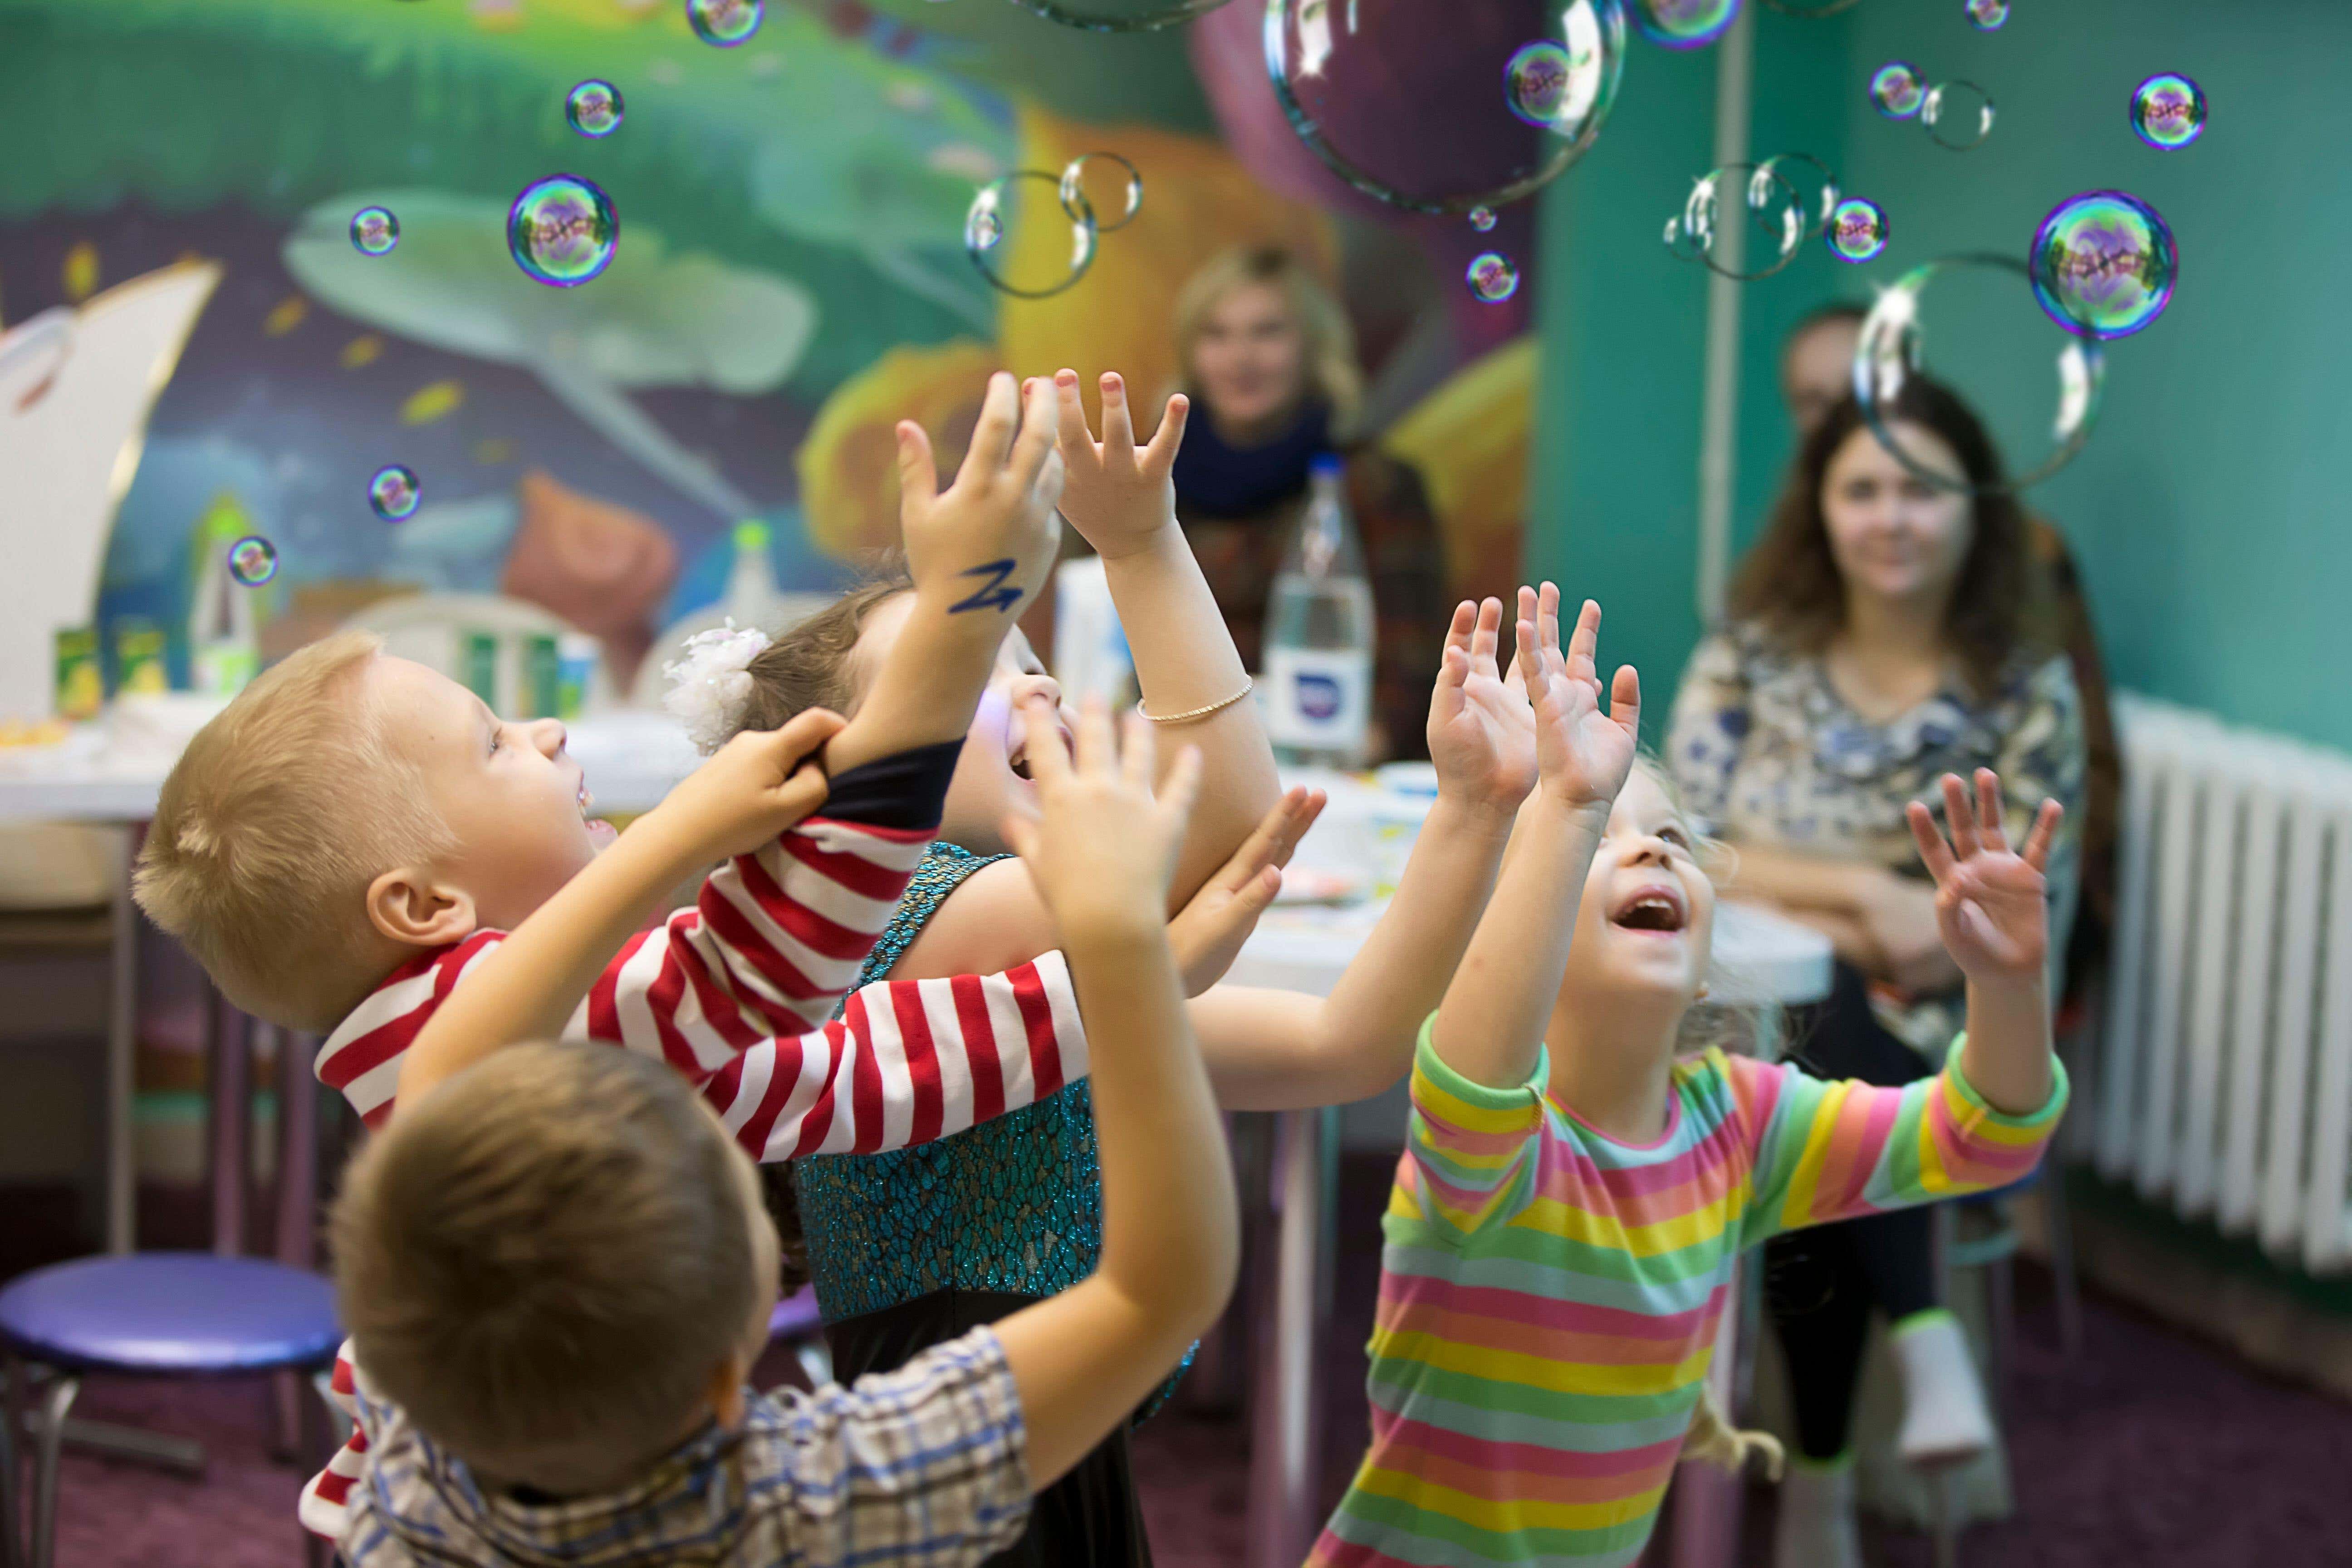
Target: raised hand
(1582,755)
(984,545)
(1103,851)
(1117,496)
(1992,901)
(1208,932)
(1482,733)
(751,788)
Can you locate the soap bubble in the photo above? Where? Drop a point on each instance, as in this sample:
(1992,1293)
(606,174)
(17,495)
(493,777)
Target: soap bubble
(2168,111)
(1743,220)
(1898,89)
(1986,15)
(594,108)
(1082,197)
(393,493)
(253,561)
(1015,232)
(1439,106)
(1857,231)
(1965,322)
(1685,23)
(563,230)
(1482,219)
(1958,114)
(2104,264)
(726,23)
(1493,277)
(1815,186)
(1121,15)
(375,230)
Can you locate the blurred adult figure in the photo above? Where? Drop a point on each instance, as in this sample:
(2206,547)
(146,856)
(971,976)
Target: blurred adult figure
(1268,358)
(1877,637)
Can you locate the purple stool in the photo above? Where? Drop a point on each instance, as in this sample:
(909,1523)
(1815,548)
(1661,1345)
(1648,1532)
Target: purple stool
(153,1314)
(797,1322)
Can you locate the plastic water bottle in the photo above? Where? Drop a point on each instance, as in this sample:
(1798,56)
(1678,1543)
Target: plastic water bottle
(1318,678)
(752,598)
(223,651)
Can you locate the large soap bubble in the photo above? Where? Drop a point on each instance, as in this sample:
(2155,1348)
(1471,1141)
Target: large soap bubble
(1121,15)
(2104,264)
(563,230)
(1966,322)
(1094,183)
(1958,114)
(1442,107)
(1745,221)
(2168,111)
(1815,184)
(1685,23)
(1031,234)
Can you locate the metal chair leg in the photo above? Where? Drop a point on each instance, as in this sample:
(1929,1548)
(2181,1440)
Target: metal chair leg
(55,1405)
(12,1543)
(2058,1231)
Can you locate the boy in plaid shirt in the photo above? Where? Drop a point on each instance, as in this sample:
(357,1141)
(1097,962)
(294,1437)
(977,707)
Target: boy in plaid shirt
(558,1271)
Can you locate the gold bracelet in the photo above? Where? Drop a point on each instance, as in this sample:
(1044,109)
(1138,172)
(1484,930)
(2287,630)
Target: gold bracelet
(1219,706)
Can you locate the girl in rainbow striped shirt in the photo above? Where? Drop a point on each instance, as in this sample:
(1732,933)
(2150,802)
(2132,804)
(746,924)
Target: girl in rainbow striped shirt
(1575,1189)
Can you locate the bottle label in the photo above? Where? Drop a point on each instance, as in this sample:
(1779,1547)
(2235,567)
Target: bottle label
(1318,699)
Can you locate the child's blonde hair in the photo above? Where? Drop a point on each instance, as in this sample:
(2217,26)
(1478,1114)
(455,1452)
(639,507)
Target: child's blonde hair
(270,827)
(546,1260)
(1333,375)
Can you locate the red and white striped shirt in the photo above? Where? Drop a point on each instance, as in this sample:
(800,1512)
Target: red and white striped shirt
(735,992)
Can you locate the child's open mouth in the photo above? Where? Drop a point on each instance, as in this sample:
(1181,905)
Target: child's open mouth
(1654,909)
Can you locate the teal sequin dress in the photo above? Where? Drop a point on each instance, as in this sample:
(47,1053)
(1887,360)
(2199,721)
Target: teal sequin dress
(912,1248)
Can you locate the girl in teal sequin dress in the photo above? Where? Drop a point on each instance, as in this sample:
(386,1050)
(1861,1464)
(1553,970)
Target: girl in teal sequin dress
(910,1249)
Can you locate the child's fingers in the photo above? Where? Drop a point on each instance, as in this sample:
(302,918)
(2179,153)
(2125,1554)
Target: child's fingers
(1625,699)
(1457,633)
(1933,851)
(1960,816)
(1038,443)
(804,792)
(1485,634)
(1452,668)
(992,436)
(801,734)
(1136,755)
(1547,616)
(1070,413)
(1294,824)
(1583,644)
(918,476)
(1530,671)
(2044,834)
(1118,425)
(1166,441)
(1049,763)
(1274,839)
(1098,753)
(1989,812)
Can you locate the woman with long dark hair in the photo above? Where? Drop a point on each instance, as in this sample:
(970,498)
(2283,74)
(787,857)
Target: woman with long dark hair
(1879,634)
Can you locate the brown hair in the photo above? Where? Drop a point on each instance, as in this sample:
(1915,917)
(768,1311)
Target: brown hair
(545,1260)
(809,665)
(269,829)
(1789,584)
(1332,374)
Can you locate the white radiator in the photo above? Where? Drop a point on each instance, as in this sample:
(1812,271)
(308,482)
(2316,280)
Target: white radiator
(2224,1079)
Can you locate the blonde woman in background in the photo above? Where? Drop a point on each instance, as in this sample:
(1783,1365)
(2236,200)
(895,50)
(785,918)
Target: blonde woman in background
(1269,360)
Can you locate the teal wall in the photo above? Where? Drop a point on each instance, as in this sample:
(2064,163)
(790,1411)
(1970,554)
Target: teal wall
(2216,543)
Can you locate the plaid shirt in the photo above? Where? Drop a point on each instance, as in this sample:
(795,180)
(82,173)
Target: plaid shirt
(923,1467)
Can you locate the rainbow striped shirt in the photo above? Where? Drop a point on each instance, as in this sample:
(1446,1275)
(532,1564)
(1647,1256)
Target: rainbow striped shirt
(1549,1296)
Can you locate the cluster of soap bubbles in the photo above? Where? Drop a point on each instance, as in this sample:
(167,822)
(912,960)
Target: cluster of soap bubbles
(1008,208)
(593,109)
(253,561)
(374,231)
(1748,221)
(1957,114)
(394,493)
(2168,111)
(561,230)
(725,22)
(1685,23)
(2103,264)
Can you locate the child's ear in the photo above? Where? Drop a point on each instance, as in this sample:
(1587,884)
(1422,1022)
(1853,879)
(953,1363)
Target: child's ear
(729,1379)
(411,909)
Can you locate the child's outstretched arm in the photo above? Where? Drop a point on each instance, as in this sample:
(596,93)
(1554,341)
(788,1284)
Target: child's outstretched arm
(1123,500)
(978,552)
(1489,1029)
(1992,906)
(1103,855)
(1278,1051)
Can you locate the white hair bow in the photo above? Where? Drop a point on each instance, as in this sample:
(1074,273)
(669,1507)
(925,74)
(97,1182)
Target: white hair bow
(710,688)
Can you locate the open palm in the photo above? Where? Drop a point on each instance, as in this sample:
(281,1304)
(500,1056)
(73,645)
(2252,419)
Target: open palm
(1992,901)
(1116,494)
(1583,753)
(1482,733)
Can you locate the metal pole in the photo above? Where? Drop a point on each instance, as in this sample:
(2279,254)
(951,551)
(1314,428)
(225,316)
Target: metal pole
(1285,1445)
(1718,444)
(122,1057)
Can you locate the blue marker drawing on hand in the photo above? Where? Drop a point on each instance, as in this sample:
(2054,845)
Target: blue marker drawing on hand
(993,595)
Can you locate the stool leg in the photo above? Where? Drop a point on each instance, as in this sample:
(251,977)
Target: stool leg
(55,1405)
(12,1543)
(2058,1230)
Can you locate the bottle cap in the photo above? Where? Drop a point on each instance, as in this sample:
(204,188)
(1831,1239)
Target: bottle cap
(752,536)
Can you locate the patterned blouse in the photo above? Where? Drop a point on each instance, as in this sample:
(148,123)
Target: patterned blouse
(1765,752)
